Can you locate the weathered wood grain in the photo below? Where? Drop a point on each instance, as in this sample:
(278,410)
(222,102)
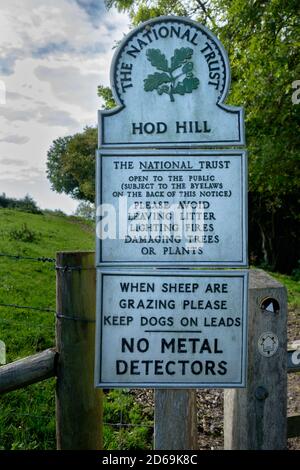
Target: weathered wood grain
(27,371)
(293,426)
(256,417)
(78,403)
(175,423)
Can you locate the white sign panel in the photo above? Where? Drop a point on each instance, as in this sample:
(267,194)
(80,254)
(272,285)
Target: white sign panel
(170,77)
(172,207)
(179,329)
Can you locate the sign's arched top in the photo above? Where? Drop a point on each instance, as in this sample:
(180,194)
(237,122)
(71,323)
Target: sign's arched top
(155,39)
(170,77)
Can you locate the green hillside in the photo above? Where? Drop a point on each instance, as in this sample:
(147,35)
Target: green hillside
(27,418)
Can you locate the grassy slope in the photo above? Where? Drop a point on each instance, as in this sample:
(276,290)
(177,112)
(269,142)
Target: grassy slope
(293,288)
(27,419)
(27,416)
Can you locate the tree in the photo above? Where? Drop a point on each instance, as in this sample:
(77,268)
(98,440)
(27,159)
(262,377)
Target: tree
(26,204)
(106,94)
(86,210)
(71,159)
(140,10)
(262,40)
(71,164)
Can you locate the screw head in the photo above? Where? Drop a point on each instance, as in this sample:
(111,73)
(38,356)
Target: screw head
(261,393)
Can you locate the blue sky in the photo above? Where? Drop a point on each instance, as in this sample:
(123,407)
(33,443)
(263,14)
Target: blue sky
(53,54)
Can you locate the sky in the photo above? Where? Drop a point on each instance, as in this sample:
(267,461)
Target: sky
(53,55)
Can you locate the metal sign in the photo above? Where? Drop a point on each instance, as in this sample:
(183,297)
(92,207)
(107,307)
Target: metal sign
(170,78)
(182,207)
(268,343)
(171,329)
(270,305)
(162,202)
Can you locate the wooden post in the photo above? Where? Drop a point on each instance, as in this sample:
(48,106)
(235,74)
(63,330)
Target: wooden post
(175,424)
(78,403)
(293,426)
(256,417)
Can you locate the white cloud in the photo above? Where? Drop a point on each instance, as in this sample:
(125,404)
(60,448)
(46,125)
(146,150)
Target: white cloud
(70,85)
(53,55)
(55,117)
(40,112)
(15,139)
(29,174)
(12,162)
(11,114)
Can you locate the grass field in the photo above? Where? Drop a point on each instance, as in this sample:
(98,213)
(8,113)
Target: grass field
(27,416)
(293,289)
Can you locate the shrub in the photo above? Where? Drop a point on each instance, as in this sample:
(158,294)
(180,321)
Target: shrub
(56,212)
(296,273)
(27,204)
(24,234)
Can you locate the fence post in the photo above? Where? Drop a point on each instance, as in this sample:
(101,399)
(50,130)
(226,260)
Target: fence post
(175,423)
(78,403)
(256,417)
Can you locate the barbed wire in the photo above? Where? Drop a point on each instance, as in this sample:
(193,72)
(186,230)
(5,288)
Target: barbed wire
(48,310)
(119,425)
(42,259)
(74,268)
(31,258)
(27,307)
(142,425)
(30,415)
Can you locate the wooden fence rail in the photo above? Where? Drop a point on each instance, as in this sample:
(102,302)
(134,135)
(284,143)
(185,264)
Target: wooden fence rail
(254,417)
(27,371)
(43,365)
